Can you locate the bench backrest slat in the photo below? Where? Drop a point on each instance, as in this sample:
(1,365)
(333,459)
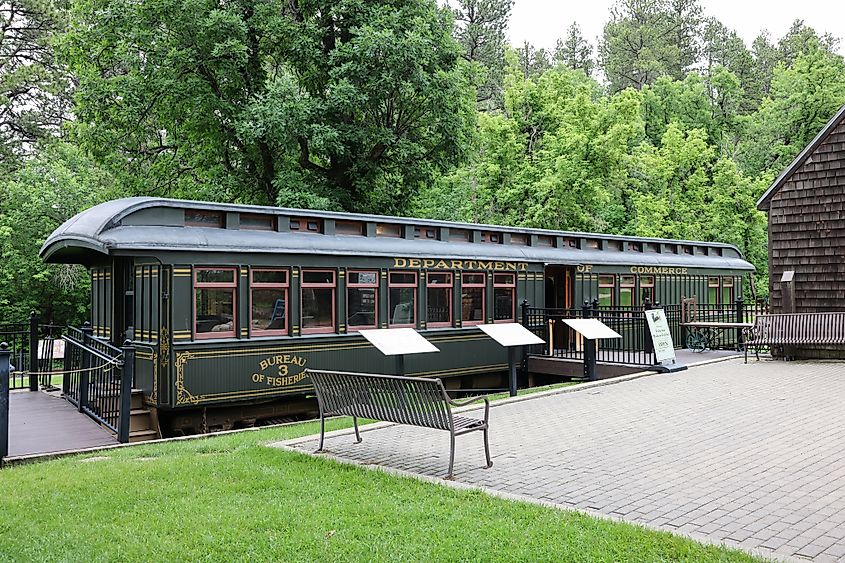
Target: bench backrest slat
(404,400)
(800,328)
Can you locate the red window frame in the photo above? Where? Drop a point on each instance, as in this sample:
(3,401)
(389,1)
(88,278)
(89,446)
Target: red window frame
(647,286)
(628,284)
(450,286)
(605,285)
(373,285)
(232,286)
(312,285)
(391,285)
(270,285)
(500,285)
(483,287)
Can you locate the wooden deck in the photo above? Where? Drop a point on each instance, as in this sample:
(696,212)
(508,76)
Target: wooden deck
(40,423)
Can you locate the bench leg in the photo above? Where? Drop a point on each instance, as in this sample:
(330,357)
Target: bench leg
(487,449)
(451,455)
(322,432)
(357,434)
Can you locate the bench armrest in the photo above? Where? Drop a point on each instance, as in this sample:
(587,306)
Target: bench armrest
(469,401)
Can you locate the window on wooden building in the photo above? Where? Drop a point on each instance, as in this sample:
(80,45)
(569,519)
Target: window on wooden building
(388,230)
(256,222)
(727,290)
(713,290)
(362,299)
(268,313)
(646,288)
(203,218)
(214,302)
(402,298)
(318,301)
(606,287)
(439,299)
(627,286)
(473,289)
(349,228)
(504,288)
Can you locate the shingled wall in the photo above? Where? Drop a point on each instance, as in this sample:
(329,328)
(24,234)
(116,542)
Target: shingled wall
(807,230)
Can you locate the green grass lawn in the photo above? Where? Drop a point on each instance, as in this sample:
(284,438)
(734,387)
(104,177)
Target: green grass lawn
(230,498)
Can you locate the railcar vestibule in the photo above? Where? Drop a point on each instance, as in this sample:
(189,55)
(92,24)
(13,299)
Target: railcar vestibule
(231,302)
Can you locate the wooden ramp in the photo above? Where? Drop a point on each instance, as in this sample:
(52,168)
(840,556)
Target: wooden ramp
(40,423)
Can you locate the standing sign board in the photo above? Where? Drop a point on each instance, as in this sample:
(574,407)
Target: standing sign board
(661,336)
(511,335)
(397,342)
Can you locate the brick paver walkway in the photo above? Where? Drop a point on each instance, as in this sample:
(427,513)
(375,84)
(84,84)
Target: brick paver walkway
(749,455)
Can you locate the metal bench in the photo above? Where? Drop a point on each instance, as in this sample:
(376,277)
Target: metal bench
(795,329)
(404,400)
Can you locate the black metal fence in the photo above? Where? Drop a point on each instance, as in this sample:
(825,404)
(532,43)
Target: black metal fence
(633,348)
(729,339)
(98,379)
(33,344)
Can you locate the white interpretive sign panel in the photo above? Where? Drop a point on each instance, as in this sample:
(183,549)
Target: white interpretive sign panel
(511,334)
(787,276)
(592,329)
(398,341)
(661,336)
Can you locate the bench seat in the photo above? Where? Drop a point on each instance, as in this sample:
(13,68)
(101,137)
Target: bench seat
(796,329)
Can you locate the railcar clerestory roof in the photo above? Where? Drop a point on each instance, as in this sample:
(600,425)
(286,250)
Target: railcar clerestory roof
(148,225)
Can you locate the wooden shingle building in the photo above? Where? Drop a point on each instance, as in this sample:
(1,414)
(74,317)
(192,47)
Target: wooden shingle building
(806,208)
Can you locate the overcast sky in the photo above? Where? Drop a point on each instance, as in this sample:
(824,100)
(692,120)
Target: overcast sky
(542,22)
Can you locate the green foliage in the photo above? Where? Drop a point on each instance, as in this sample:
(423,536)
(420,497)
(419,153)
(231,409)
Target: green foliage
(357,104)
(574,51)
(33,89)
(36,199)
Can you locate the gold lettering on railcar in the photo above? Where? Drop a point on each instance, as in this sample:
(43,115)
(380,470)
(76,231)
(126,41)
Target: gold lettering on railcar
(661,270)
(584,268)
(280,370)
(431,263)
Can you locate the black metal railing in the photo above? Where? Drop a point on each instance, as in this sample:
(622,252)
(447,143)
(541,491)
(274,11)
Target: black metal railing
(33,344)
(739,311)
(98,379)
(561,341)
(17,336)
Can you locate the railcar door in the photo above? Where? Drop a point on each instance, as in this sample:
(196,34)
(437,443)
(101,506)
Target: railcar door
(559,295)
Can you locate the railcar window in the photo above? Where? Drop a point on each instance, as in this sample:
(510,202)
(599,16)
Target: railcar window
(606,286)
(459,235)
(255,222)
(473,288)
(306,225)
(626,290)
(495,238)
(593,243)
(519,239)
(362,300)
(439,294)
(425,232)
(269,302)
(318,301)
(545,240)
(349,228)
(214,302)
(713,290)
(727,290)
(202,218)
(504,286)
(402,298)
(388,230)
(647,288)
(571,243)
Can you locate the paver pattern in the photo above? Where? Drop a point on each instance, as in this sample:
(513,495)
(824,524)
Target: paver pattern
(749,455)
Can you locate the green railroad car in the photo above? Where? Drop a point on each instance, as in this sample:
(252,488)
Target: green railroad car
(228,304)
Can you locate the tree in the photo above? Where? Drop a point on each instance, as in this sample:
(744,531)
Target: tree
(533,61)
(575,52)
(646,39)
(34,89)
(801,39)
(38,197)
(351,105)
(480,27)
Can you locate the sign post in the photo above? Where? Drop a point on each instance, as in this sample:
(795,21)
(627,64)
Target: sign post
(591,330)
(661,339)
(398,342)
(511,335)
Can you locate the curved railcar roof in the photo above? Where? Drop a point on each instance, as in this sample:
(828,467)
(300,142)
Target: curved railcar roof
(117,227)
